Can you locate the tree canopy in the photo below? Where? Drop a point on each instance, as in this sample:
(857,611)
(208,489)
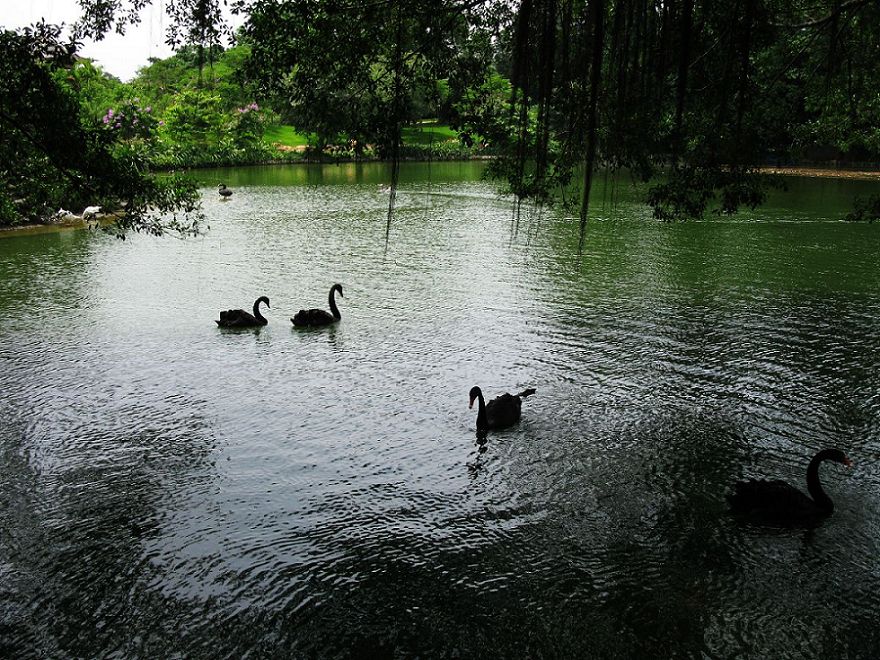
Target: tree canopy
(702,92)
(57,152)
(355,69)
(690,95)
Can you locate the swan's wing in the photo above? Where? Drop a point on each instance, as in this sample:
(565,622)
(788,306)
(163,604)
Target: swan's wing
(503,410)
(237,317)
(506,402)
(301,317)
(768,497)
(312,317)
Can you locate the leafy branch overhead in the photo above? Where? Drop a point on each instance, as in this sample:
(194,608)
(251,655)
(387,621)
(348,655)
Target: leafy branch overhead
(355,69)
(691,96)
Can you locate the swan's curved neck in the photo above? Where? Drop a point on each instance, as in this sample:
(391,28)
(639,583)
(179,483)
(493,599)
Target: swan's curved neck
(814,486)
(331,298)
(482,420)
(257,315)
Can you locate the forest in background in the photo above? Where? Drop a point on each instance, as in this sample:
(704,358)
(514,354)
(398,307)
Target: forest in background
(690,97)
(209,115)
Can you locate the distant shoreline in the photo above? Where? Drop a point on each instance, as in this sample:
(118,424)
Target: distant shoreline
(805,171)
(324,160)
(826,171)
(39,227)
(823,172)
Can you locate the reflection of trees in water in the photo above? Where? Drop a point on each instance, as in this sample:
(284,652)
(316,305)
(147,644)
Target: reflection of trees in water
(92,494)
(638,529)
(635,557)
(668,543)
(620,571)
(29,274)
(21,537)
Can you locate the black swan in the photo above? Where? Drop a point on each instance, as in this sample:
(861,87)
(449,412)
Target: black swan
(777,501)
(306,318)
(225,192)
(500,412)
(238,318)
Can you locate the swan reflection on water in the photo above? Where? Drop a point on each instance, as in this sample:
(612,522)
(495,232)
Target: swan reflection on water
(333,333)
(481,443)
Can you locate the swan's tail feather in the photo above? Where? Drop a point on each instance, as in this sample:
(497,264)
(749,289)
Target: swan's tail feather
(525,393)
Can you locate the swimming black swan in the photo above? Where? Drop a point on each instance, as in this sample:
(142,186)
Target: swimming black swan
(238,318)
(315,317)
(500,412)
(225,192)
(777,501)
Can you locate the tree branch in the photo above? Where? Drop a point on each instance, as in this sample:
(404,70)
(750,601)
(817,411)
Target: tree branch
(819,22)
(36,143)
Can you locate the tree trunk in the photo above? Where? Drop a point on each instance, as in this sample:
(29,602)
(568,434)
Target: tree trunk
(598,12)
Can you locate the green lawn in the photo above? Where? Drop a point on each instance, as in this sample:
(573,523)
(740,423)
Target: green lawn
(285,135)
(426,132)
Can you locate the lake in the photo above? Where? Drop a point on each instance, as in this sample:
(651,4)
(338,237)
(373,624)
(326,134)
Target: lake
(171,489)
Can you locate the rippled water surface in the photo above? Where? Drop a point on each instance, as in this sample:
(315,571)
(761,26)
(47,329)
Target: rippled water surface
(169,489)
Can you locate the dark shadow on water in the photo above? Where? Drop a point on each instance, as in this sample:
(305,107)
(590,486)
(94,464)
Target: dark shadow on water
(255,329)
(74,540)
(333,333)
(476,465)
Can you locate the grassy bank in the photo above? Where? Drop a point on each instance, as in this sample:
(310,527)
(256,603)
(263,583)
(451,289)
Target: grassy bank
(427,140)
(425,133)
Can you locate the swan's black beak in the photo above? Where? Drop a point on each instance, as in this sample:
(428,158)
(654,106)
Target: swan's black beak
(471,404)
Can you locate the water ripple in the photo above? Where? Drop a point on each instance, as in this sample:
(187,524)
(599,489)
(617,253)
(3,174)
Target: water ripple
(171,488)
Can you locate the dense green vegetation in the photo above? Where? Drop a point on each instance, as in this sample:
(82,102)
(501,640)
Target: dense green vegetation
(55,152)
(206,113)
(285,136)
(691,97)
(174,114)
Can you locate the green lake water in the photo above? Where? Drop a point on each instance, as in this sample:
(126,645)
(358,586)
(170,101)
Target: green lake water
(170,489)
